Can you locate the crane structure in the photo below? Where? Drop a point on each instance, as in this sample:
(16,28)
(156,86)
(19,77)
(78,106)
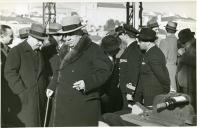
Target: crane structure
(49,13)
(134,14)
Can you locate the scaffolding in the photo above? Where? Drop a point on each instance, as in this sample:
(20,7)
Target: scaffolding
(134,14)
(49,13)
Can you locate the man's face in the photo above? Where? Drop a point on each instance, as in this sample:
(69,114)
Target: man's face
(57,37)
(156,29)
(143,45)
(71,39)
(7,37)
(36,43)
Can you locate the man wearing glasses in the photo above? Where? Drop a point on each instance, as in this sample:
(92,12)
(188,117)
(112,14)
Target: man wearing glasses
(24,71)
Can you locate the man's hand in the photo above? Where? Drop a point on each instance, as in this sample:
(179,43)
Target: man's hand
(79,85)
(49,93)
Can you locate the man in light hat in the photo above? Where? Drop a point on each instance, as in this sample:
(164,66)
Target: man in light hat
(24,71)
(169,48)
(77,79)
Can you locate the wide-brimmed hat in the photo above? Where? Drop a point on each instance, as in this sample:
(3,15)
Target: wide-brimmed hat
(71,24)
(152,24)
(24,32)
(171,26)
(38,31)
(147,34)
(185,35)
(54,28)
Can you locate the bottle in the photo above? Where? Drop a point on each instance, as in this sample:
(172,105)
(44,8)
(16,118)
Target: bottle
(172,102)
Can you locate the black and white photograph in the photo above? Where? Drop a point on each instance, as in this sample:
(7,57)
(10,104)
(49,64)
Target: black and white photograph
(98,63)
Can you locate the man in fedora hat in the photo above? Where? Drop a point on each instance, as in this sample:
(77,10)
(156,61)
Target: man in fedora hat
(24,71)
(169,47)
(154,76)
(78,78)
(186,71)
(129,62)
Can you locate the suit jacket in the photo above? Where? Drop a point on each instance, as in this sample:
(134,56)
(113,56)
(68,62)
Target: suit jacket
(154,76)
(25,74)
(77,108)
(169,48)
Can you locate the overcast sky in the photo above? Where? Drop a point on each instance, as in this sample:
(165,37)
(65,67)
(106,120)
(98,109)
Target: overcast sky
(186,8)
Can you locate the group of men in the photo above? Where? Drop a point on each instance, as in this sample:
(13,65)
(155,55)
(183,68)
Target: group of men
(80,76)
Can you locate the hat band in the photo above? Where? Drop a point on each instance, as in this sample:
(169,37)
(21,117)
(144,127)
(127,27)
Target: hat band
(170,27)
(37,33)
(153,25)
(71,27)
(53,30)
(23,36)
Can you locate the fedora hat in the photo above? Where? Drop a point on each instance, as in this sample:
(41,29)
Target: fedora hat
(54,28)
(70,24)
(24,32)
(185,35)
(152,24)
(38,31)
(147,34)
(171,26)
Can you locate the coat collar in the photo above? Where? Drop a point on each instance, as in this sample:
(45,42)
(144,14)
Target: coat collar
(26,47)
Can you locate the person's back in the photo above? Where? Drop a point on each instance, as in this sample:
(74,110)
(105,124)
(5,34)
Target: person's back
(169,49)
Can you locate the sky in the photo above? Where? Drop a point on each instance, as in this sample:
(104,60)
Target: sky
(184,8)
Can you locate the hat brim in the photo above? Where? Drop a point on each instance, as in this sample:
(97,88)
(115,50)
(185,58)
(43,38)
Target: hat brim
(69,31)
(52,33)
(38,37)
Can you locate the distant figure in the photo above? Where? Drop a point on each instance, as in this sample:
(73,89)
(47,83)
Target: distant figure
(24,71)
(160,33)
(24,32)
(154,76)
(186,71)
(169,48)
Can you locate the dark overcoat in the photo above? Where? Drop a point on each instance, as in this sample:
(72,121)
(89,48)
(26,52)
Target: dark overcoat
(25,74)
(77,108)
(154,77)
(129,68)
